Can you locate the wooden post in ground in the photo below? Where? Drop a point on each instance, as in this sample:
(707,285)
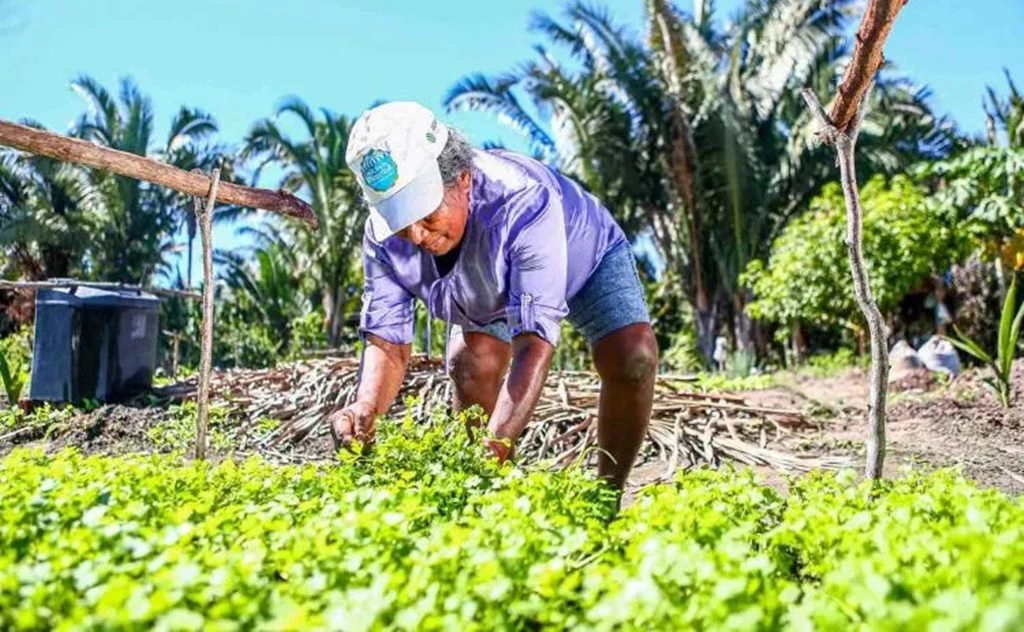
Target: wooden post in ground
(204,213)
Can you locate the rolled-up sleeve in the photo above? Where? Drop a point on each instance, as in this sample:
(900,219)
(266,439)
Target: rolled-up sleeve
(537,265)
(387,306)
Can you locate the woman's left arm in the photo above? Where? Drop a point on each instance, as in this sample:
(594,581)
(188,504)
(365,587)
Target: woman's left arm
(537,258)
(531,360)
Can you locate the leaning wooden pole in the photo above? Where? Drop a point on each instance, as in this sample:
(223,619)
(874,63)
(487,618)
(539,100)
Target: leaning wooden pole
(205,220)
(840,128)
(44,143)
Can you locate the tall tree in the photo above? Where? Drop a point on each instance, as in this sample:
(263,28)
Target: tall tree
(314,166)
(1005,115)
(136,230)
(47,211)
(716,153)
(189,146)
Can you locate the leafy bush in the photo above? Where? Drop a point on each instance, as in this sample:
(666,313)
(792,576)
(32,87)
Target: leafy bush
(307,332)
(15,360)
(240,340)
(832,364)
(425,532)
(984,187)
(807,278)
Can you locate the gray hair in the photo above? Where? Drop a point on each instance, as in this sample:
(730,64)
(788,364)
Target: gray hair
(456,157)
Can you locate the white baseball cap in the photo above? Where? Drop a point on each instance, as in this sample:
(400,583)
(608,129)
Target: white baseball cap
(393,150)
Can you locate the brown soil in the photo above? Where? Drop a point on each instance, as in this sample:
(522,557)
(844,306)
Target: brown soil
(110,430)
(930,424)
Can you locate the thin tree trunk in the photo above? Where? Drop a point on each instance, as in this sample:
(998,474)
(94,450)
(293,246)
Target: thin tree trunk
(840,128)
(845,143)
(707,331)
(175,352)
(743,324)
(683,167)
(799,343)
(333,309)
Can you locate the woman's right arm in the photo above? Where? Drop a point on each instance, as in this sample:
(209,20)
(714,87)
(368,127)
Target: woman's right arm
(384,365)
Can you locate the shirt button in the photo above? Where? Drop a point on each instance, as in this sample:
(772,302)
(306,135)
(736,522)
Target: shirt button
(527,298)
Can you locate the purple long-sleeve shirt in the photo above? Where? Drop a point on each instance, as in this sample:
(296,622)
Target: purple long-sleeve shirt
(533,238)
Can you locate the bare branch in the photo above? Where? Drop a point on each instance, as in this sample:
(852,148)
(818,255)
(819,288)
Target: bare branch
(66,149)
(828,131)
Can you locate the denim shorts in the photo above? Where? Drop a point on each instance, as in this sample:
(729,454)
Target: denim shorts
(611,299)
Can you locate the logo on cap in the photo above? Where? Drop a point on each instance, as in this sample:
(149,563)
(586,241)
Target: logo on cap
(379,170)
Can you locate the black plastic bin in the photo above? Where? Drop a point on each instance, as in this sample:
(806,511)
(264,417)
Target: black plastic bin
(93,343)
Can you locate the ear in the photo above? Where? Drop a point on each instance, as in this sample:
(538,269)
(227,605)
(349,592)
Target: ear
(465,181)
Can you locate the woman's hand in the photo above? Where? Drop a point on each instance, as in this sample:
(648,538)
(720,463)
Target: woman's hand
(357,421)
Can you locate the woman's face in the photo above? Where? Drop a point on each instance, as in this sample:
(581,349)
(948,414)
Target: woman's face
(442,230)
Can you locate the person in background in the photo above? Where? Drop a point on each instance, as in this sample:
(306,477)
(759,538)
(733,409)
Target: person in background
(504,248)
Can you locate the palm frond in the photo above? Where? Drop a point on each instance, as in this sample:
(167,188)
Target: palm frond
(189,125)
(479,93)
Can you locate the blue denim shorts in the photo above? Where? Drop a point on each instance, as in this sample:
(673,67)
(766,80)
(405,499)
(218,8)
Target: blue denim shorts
(611,299)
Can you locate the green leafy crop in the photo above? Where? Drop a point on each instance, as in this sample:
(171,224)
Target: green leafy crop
(425,532)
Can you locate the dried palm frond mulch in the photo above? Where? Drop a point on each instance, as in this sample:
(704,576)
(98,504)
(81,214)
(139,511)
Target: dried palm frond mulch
(687,428)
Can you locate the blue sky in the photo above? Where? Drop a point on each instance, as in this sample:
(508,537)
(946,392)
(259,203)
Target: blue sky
(238,59)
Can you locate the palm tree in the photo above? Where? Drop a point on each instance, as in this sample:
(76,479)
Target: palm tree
(315,167)
(270,285)
(188,147)
(47,208)
(717,151)
(136,229)
(1007,115)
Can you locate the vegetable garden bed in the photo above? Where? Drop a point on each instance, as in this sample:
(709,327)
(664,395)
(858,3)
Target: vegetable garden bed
(424,533)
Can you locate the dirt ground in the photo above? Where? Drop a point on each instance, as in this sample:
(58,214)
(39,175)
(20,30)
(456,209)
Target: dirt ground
(932,424)
(958,423)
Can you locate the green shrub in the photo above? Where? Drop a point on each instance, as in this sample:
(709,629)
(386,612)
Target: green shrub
(15,363)
(832,364)
(807,278)
(307,333)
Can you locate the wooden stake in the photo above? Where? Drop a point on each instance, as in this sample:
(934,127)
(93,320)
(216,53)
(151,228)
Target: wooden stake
(840,129)
(845,143)
(67,149)
(205,217)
